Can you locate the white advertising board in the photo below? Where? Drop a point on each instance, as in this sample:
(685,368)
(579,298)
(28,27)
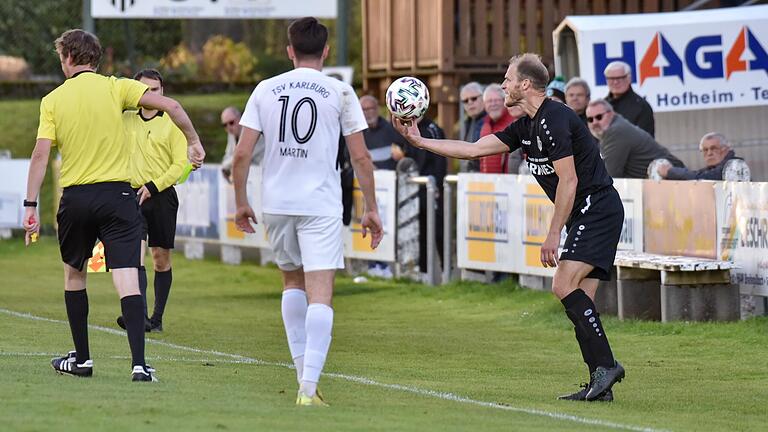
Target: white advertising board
(355,246)
(198,215)
(229,234)
(487,208)
(714,58)
(222,9)
(742,233)
(13,190)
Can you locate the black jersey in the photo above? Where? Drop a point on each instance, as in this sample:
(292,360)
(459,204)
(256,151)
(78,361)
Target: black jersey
(556,132)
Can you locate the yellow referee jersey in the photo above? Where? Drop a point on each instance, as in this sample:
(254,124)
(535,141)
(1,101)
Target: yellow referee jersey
(83,118)
(158,150)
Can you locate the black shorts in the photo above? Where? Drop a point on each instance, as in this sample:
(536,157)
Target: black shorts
(594,228)
(108,211)
(159,218)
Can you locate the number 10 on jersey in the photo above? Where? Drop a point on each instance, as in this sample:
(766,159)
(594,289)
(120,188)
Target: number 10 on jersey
(297,111)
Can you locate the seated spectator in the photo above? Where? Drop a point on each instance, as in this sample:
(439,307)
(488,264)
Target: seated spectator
(716,151)
(627,150)
(230,121)
(556,90)
(380,135)
(577,96)
(624,100)
(496,120)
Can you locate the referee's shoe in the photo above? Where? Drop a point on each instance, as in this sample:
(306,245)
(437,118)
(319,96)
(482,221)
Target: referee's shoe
(143,373)
(603,379)
(68,365)
(147,324)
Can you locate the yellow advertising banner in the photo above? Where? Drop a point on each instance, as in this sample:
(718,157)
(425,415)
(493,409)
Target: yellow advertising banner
(355,246)
(679,218)
(482,221)
(539,211)
(485,207)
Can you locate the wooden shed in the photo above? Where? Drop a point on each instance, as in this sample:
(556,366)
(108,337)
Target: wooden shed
(447,43)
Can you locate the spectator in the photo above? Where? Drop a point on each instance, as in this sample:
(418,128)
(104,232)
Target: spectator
(497,120)
(627,150)
(380,135)
(435,165)
(471,96)
(716,151)
(382,141)
(556,90)
(230,121)
(577,96)
(625,101)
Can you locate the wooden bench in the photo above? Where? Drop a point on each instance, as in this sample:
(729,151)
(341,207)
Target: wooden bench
(671,288)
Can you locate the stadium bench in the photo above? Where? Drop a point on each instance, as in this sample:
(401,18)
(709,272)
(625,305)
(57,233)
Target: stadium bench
(670,288)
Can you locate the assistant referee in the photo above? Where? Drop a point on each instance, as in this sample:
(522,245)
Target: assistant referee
(157,161)
(83,118)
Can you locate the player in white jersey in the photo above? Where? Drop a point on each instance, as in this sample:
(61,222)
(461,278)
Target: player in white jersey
(301,114)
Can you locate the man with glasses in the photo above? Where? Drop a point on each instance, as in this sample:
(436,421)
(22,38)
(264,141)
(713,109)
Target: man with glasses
(471,96)
(716,151)
(625,101)
(627,150)
(230,121)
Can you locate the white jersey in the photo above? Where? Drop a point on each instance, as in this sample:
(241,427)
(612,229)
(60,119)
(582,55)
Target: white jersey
(302,114)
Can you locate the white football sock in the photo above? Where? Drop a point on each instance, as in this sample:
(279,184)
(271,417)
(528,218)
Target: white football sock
(294,307)
(319,325)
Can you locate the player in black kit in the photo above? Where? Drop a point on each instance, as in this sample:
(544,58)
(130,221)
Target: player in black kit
(565,160)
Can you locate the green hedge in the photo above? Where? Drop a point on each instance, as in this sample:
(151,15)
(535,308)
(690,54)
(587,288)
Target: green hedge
(38,89)
(19,120)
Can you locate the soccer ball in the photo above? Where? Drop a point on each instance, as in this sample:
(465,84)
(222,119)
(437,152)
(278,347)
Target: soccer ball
(407,98)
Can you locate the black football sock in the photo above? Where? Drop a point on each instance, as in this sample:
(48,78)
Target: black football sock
(143,287)
(582,312)
(162,290)
(586,354)
(134,326)
(77,314)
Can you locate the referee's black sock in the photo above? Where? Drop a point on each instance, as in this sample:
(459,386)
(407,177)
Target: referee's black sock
(589,330)
(77,314)
(134,326)
(162,290)
(143,286)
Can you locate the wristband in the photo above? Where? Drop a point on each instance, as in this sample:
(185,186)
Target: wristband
(30,203)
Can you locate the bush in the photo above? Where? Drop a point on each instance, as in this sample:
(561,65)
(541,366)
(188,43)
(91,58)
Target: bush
(221,60)
(13,68)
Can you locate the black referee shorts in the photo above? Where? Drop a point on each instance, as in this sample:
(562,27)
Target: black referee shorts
(594,228)
(159,218)
(108,211)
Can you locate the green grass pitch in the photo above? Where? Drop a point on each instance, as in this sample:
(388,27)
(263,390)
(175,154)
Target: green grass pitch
(463,357)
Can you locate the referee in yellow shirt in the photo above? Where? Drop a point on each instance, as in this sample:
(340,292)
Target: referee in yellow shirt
(158,158)
(83,118)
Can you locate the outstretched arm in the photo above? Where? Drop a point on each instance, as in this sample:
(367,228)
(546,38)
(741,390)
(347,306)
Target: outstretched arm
(181,119)
(485,146)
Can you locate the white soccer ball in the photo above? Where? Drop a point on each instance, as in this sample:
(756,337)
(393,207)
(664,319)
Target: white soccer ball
(407,98)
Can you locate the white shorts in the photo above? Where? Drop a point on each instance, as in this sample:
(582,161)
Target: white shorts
(312,242)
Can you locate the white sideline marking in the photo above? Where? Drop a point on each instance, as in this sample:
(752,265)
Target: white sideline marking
(236,358)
